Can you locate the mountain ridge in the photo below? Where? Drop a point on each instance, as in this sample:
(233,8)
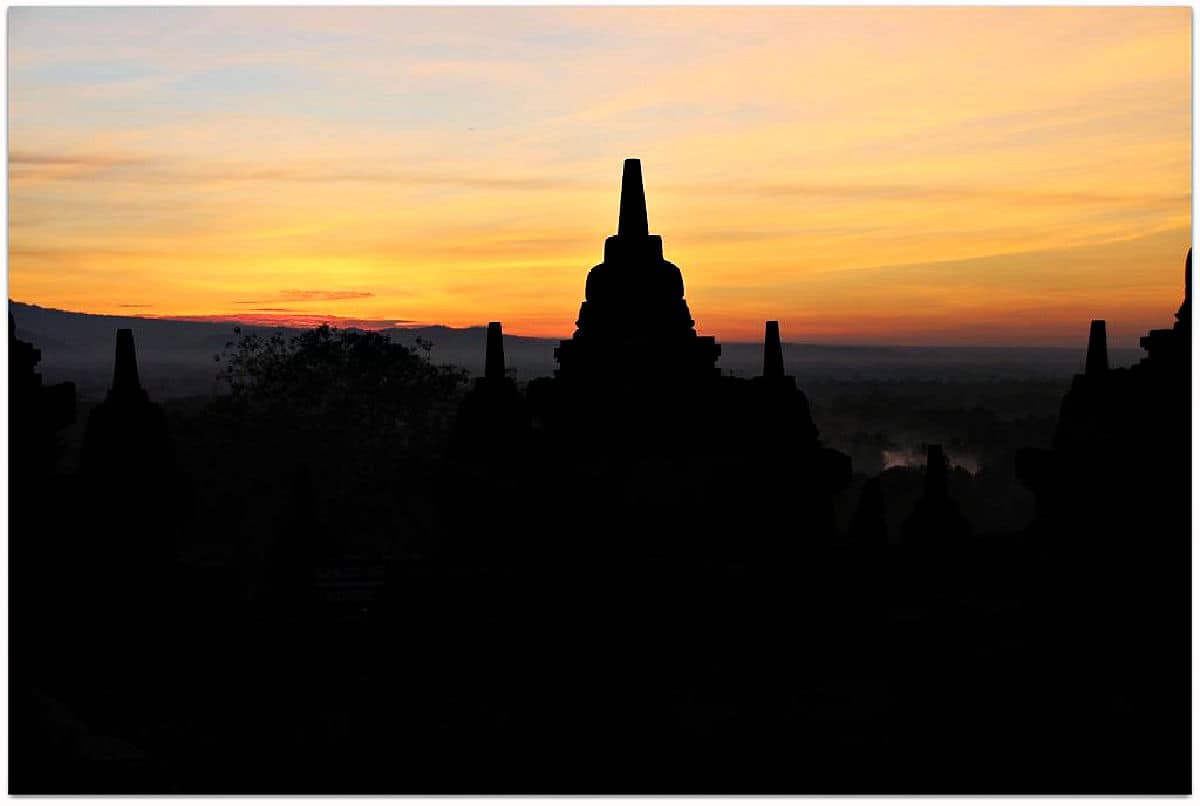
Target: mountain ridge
(178,356)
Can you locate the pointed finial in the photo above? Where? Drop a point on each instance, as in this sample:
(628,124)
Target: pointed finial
(125,369)
(772,352)
(633,222)
(493,368)
(1184,315)
(936,478)
(1097,350)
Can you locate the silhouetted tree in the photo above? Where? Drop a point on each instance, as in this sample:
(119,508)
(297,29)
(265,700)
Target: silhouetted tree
(346,381)
(363,414)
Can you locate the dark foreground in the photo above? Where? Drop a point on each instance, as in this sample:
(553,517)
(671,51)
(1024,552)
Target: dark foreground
(349,576)
(855,671)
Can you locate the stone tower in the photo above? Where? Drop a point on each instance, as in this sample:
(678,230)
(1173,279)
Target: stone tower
(1097,350)
(634,323)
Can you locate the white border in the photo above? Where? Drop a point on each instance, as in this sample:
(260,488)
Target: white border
(428,800)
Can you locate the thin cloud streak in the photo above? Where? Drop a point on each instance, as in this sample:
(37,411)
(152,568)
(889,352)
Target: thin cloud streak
(148,169)
(462,164)
(270,317)
(294,295)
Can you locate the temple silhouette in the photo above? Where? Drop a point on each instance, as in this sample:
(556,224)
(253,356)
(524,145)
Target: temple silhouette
(1114,512)
(637,405)
(936,519)
(37,413)
(628,576)
(634,325)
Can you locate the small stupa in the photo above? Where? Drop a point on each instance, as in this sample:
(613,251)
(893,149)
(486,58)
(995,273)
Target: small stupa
(936,519)
(126,435)
(493,417)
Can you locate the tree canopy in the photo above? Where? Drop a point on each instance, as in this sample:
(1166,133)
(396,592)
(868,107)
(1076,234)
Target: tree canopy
(347,384)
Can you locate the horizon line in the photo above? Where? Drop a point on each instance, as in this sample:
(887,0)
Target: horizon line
(401,324)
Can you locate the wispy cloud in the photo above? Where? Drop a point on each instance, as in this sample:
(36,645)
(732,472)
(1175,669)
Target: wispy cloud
(274,318)
(462,164)
(914,192)
(296,295)
(52,165)
(159,170)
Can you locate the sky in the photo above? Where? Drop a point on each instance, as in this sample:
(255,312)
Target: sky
(864,175)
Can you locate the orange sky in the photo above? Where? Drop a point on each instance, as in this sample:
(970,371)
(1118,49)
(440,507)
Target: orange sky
(880,175)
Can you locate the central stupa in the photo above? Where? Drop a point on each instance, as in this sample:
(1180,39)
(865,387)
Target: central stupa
(634,321)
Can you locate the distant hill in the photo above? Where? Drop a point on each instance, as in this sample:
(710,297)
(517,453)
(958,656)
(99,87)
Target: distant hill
(176,358)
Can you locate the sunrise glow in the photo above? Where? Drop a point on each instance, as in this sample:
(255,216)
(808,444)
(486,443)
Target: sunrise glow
(864,175)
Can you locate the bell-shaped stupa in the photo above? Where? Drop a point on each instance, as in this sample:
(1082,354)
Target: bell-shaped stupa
(634,322)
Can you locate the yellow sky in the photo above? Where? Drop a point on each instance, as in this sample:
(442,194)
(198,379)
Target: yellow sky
(886,175)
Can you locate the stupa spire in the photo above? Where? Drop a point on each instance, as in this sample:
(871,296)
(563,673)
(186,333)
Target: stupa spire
(1097,350)
(633,221)
(772,352)
(493,367)
(937,484)
(125,369)
(1185,310)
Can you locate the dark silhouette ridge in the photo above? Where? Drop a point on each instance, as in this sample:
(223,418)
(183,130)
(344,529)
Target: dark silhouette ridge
(637,575)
